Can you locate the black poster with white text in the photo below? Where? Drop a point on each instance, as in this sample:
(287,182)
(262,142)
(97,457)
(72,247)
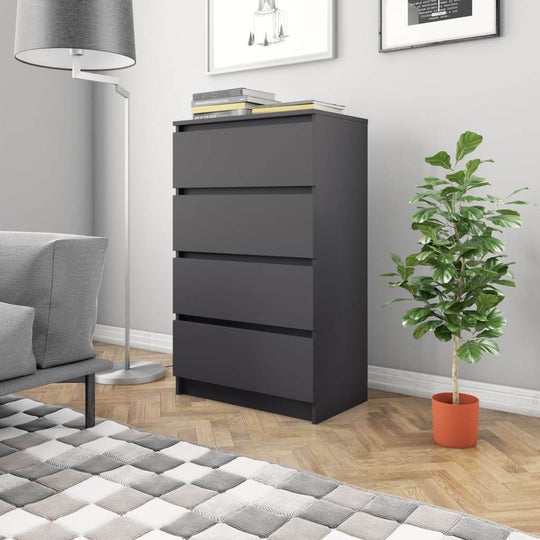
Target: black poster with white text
(427,11)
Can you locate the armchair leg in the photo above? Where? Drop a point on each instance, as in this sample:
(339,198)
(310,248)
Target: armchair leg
(90,400)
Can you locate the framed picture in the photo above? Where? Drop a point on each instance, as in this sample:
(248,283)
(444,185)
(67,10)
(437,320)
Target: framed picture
(251,34)
(406,24)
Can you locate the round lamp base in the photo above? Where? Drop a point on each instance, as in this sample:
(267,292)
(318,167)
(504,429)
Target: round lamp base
(138,373)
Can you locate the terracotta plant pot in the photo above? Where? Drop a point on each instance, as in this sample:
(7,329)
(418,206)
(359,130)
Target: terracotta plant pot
(455,426)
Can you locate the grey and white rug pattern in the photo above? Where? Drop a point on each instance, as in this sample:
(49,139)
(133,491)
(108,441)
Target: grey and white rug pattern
(60,482)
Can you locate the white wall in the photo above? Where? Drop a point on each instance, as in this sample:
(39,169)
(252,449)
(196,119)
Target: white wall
(417,102)
(46,137)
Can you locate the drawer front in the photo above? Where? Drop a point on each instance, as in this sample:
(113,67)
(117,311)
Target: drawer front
(264,362)
(270,294)
(273,225)
(279,154)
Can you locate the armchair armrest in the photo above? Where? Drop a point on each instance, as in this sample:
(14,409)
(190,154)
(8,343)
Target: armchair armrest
(59,276)
(16,357)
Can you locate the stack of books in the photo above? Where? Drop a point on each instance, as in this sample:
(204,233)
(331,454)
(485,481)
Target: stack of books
(243,102)
(231,102)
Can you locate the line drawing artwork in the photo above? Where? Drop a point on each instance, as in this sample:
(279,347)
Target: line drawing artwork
(270,24)
(251,34)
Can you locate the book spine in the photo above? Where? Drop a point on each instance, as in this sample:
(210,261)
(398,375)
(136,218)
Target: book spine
(233,92)
(239,99)
(286,108)
(297,107)
(225,107)
(222,114)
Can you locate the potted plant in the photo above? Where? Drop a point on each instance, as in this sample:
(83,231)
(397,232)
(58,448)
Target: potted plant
(457,276)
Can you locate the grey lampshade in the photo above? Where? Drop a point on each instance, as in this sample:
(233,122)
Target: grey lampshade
(49,30)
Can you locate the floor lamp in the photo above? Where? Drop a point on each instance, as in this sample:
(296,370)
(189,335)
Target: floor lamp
(84,36)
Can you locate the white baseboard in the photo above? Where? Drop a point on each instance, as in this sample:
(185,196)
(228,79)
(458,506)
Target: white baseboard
(150,341)
(492,396)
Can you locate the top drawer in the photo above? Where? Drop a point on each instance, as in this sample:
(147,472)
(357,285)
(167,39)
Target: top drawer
(247,154)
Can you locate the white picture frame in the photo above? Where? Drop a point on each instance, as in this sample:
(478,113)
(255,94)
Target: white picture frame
(303,31)
(409,24)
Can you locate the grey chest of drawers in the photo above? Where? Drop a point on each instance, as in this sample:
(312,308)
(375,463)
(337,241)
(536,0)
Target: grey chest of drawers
(270,279)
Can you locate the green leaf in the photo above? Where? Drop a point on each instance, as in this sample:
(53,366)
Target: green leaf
(442,333)
(470,352)
(472,166)
(487,244)
(418,197)
(493,262)
(397,259)
(405,272)
(428,231)
(505,282)
(476,182)
(494,200)
(443,274)
(424,255)
(475,228)
(495,319)
(424,295)
(424,214)
(489,346)
(411,260)
(517,202)
(514,222)
(453,323)
(472,319)
(388,274)
(467,143)
(492,333)
(487,301)
(441,159)
(457,177)
(415,316)
(452,190)
(445,258)
(474,213)
(471,198)
(517,191)
(455,306)
(432,181)
(424,328)
(395,300)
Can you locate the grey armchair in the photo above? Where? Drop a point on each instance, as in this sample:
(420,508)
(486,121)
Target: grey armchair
(48,307)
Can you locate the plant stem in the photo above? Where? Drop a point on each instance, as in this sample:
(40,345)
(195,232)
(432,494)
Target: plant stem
(455,380)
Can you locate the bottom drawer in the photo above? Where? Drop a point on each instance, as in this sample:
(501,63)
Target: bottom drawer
(264,362)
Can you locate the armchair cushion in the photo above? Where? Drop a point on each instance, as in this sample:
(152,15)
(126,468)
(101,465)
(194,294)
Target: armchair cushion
(59,276)
(16,357)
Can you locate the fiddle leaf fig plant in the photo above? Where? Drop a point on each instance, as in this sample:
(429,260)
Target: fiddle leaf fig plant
(458,273)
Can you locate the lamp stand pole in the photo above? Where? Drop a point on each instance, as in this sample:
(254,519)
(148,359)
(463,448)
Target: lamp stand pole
(127,372)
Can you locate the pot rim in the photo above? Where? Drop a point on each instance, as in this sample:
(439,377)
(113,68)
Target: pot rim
(442,397)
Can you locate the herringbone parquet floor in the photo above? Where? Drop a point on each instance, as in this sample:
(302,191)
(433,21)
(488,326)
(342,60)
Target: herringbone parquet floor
(384,445)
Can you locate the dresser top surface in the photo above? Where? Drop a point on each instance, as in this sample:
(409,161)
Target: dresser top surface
(251,117)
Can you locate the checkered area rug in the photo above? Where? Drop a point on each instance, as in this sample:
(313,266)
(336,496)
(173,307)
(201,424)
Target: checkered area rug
(60,481)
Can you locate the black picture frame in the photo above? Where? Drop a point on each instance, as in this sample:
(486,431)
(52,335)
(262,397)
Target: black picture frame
(496,34)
